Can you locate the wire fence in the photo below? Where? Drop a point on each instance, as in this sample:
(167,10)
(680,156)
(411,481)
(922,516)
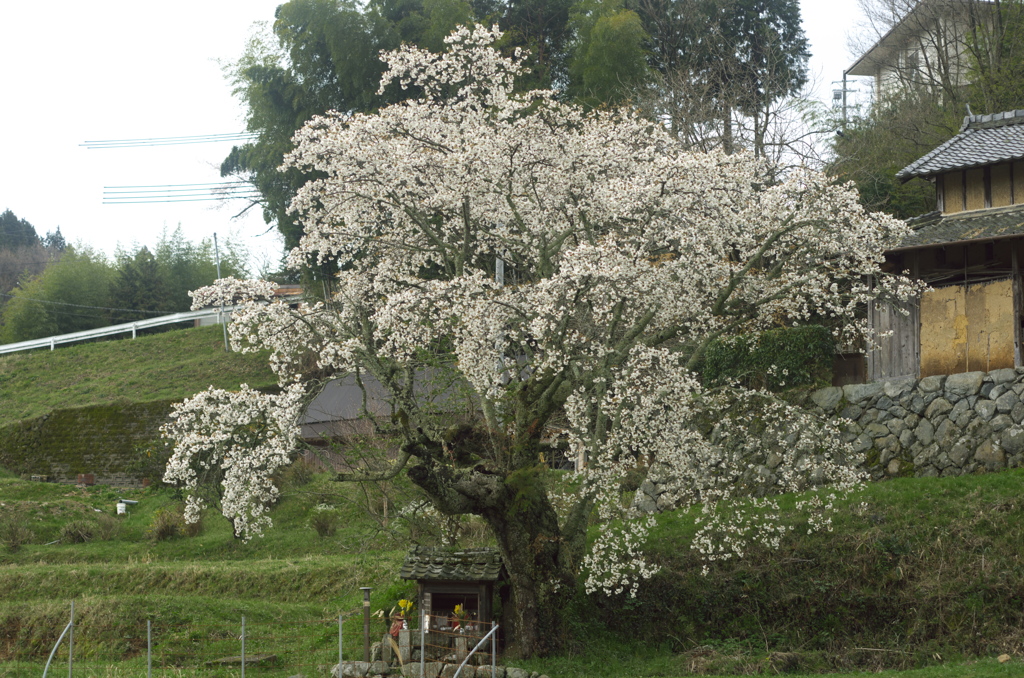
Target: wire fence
(211,650)
(438,646)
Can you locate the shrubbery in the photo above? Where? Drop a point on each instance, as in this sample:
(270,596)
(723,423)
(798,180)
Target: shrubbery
(776,359)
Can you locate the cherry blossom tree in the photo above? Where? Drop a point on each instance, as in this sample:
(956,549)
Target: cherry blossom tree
(564,271)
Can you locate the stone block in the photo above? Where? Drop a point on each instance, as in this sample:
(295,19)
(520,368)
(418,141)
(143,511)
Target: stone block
(1012,440)
(352,670)
(861,393)
(827,398)
(851,412)
(1017,413)
(931,384)
(917,405)
(896,426)
(939,407)
(999,390)
(964,384)
(430,670)
(1005,402)
(862,444)
(959,454)
(894,388)
(958,409)
(991,456)
(405,643)
(946,433)
(978,429)
(1001,421)
(512,672)
(925,432)
(467,671)
(985,409)
(876,430)
(1004,375)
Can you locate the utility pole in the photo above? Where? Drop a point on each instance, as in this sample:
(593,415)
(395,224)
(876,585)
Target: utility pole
(223,322)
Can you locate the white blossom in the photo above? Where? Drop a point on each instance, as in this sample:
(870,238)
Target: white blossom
(625,255)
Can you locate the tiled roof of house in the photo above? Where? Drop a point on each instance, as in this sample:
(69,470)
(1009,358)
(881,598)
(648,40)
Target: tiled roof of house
(439,564)
(938,229)
(983,140)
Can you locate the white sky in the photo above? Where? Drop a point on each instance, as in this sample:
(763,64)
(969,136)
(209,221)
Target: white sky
(72,71)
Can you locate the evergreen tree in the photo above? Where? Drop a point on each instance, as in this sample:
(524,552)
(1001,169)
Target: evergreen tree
(138,285)
(15,232)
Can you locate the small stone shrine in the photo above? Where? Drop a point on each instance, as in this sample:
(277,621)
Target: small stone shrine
(446,578)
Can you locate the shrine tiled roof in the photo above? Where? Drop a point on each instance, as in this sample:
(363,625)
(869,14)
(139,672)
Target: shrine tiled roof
(989,224)
(425,563)
(983,140)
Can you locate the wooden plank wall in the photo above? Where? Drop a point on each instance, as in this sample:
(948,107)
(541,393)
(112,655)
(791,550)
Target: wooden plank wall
(897,339)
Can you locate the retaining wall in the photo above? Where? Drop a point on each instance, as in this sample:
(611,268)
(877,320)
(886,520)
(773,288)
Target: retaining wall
(936,426)
(108,441)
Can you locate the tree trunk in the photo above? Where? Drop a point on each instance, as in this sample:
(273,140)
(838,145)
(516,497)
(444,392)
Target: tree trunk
(531,545)
(540,560)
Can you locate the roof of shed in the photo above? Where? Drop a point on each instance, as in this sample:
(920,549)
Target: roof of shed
(983,140)
(425,563)
(990,224)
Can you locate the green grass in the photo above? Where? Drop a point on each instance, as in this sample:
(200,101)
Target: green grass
(169,365)
(924,575)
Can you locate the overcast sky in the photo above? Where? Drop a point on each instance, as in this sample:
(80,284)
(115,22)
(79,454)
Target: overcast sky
(72,71)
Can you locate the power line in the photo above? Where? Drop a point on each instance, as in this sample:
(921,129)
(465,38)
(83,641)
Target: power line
(67,303)
(169,141)
(164,193)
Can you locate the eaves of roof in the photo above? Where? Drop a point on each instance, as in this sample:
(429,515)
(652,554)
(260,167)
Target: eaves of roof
(882,51)
(430,564)
(983,140)
(988,224)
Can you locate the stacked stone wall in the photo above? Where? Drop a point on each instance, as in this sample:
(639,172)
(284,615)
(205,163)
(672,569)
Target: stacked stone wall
(107,441)
(936,426)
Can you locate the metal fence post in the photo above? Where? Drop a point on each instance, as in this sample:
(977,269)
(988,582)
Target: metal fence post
(243,646)
(71,642)
(340,629)
(424,620)
(494,654)
(149,648)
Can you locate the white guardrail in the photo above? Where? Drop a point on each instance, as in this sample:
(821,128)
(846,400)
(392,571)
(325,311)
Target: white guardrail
(53,342)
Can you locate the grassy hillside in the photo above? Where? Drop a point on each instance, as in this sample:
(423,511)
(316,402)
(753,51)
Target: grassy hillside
(919,573)
(169,365)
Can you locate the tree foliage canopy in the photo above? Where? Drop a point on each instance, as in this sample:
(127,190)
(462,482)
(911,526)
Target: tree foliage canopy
(83,290)
(561,273)
(697,63)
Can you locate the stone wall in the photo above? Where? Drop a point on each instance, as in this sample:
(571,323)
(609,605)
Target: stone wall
(104,440)
(936,426)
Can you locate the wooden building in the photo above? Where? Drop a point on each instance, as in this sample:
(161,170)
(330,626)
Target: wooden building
(970,250)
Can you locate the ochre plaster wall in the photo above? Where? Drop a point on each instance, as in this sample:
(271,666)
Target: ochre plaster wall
(976,189)
(967,327)
(1002,189)
(953,189)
